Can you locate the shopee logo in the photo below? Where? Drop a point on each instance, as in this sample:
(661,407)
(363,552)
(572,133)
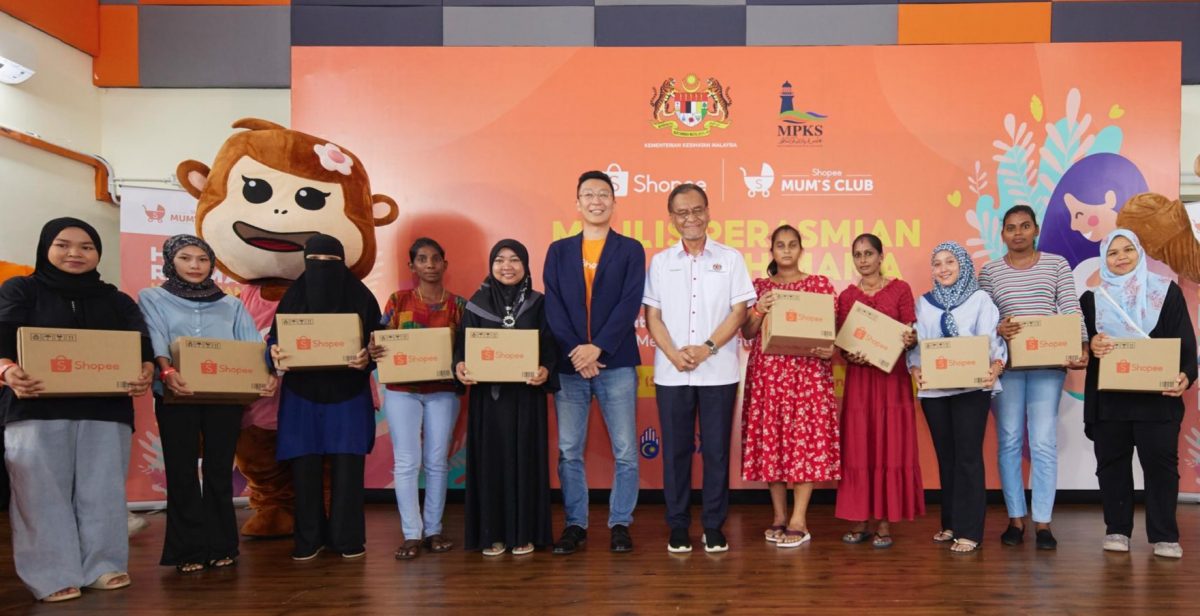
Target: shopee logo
(1123,367)
(860,333)
(1031,344)
(208,367)
(303,343)
(791,316)
(62,363)
(488,354)
(941,363)
(400,359)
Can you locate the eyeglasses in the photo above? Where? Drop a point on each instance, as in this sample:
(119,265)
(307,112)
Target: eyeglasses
(600,196)
(696,212)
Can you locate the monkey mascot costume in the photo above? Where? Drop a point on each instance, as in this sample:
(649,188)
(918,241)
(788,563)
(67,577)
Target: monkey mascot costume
(1166,230)
(268,191)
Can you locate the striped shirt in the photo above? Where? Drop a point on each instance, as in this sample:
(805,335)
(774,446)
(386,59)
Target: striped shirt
(1045,288)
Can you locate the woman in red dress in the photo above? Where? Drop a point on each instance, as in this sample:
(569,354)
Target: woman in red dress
(881,471)
(789,418)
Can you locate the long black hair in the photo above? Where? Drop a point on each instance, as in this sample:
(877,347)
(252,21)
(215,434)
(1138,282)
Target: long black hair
(772,267)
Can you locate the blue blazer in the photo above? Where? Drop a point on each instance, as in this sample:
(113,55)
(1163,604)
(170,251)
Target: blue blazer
(616,299)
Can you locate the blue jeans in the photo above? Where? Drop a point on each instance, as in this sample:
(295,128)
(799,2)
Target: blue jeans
(616,390)
(406,412)
(1030,399)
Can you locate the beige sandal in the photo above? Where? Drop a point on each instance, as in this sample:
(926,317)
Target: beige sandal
(496,550)
(523,550)
(111,581)
(943,536)
(65,594)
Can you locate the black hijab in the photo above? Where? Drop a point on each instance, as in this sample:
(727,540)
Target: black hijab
(325,287)
(71,286)
(499,299)
(206,291)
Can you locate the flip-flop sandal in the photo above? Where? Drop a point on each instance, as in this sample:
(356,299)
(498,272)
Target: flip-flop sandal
(437,544)
(408,550)
(221,563)
(66,595)
(856,536)
(971,545)
(772,534)
(105,582)
(881,542)
(189,568)
(801,537)
(496,549)
(523,549)
(943,536)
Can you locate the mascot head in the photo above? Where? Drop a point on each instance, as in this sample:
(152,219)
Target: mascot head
(269,190)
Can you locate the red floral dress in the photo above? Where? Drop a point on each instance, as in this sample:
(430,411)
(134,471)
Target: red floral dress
(881,468)
(789,416)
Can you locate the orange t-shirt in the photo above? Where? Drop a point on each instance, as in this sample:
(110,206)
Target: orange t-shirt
(12,270)
(591,261)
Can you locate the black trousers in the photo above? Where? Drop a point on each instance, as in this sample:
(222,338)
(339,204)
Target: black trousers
(678,407)
(201,524)
(957,424)
(1157,444)
(344,530)
(3,475)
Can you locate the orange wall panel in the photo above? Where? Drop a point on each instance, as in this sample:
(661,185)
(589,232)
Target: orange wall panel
(1007,22)
(117,63)
(74,22)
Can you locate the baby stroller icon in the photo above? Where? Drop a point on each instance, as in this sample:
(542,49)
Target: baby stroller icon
(759,184)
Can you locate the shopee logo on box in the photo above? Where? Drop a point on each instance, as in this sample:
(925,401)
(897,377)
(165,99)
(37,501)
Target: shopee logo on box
(860,333)
(1123,367)
(941,363)
(1031,344)
(488,354)
(208,367)
(303,343)
(62,363)
(400,359)
(791,316)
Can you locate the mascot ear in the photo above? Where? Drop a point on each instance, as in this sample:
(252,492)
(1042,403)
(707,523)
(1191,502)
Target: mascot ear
(379,203)
(193,176)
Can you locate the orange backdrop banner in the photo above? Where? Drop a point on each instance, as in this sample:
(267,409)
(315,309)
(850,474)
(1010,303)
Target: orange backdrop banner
(917,144)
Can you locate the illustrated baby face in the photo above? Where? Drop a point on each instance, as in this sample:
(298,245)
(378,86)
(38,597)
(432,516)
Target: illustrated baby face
(1092,220)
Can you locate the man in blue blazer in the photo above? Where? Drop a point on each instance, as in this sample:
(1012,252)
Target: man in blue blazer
(594,283)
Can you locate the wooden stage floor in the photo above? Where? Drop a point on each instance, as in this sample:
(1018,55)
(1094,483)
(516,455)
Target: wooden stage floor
(914,577)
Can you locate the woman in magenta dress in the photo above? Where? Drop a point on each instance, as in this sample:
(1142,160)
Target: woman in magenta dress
(789,418)
(881,471)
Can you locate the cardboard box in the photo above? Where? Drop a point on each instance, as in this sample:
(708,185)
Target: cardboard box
(877,336)
(798,323)
(218,371)
(80,362)
(1140,364)
(315,341)
(415,355)
(1044,342)
(955,363)
(501,355)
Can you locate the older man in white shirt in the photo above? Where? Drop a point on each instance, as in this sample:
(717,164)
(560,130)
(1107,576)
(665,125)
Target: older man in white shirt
(697,293)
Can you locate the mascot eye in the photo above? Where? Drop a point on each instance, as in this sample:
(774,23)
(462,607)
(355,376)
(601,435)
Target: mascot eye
(256,190)
(310,198)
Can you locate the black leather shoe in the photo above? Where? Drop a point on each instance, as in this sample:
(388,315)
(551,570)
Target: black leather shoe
(1013,535)
(621,541)
(1046,540)
(572,537)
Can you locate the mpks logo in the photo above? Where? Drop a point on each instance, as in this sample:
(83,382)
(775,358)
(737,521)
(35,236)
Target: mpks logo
(798,128)
(690,106)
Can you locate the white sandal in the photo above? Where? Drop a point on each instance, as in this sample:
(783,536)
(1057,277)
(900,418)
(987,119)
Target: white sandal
(496,550)
(523,550)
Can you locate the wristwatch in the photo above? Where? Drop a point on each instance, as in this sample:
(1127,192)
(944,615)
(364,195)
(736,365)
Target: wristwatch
(712,347)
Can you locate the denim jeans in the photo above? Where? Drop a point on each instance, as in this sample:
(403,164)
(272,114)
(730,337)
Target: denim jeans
(1029,400)
(411,416)
(616,390)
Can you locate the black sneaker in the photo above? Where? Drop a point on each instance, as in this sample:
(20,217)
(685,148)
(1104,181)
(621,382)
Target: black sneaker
(1012,535)
(714,541)
(680,542)
(572,537)
(621,541)
(1046,540)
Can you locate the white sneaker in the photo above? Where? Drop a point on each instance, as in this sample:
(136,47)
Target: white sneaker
(136,522)
(1168,550)
(1116,543)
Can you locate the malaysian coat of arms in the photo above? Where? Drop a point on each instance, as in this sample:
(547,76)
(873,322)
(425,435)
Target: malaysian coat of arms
(692,108)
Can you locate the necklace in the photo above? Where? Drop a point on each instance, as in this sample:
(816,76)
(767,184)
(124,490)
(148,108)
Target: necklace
(866,289)
(417,290)
(1025,265)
